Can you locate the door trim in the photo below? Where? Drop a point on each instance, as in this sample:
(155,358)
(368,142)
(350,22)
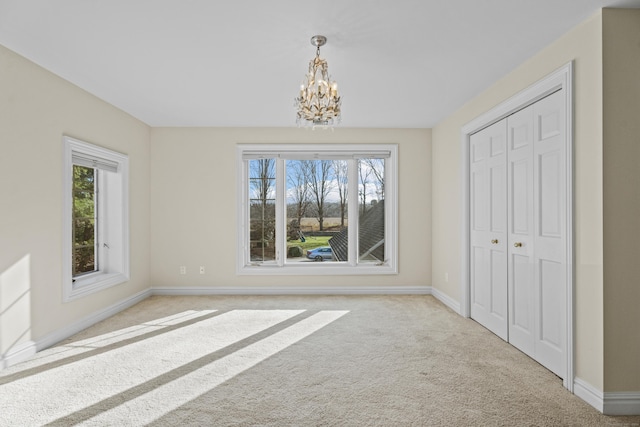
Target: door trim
(561,79)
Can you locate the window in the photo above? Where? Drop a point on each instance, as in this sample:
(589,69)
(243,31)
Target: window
(96,231)
(317,209)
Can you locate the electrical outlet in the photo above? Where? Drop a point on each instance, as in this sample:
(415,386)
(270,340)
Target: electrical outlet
(183,269)
(446,277)
(201,269)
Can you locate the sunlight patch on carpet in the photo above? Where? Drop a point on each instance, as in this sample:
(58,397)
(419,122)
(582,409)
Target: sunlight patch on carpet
(82,346)
(164,399)
(62,390)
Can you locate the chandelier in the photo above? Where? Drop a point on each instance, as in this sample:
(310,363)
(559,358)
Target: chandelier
(319,102)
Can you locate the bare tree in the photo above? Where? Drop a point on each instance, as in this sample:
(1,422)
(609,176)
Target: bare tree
(262,179)
(341,172)
(377,170)
(320,185)
(364,173)
(299,187)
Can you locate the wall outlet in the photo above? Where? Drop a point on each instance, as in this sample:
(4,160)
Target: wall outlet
(446,277)
(183,269)
(201,269)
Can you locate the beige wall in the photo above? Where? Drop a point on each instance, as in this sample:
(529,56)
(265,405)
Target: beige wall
(621,57)
(36,109)
(583,45)
(193,205)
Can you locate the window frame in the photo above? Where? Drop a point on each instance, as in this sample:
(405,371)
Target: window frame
(112,228)
(282,152)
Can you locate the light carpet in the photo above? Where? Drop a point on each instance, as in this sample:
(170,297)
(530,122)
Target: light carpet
(288,361)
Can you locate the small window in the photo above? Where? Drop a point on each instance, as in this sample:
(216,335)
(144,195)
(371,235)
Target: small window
(96,244)
(317,209)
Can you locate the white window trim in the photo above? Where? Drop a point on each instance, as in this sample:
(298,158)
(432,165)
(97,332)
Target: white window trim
(111,271)
(245,267)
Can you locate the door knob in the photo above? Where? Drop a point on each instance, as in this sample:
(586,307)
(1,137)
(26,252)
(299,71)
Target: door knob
(494,241)
(517,245)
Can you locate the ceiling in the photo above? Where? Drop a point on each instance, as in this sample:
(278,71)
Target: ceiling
(398,63)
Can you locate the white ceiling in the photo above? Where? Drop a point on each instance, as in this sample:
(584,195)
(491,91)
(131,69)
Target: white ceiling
(398,63)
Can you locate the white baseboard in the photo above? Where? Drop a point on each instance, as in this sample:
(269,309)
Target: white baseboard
(588,393)
(17,354)
(446,300)
(24,351)
(371,290)
(64,333)
(609,403)
(622,403)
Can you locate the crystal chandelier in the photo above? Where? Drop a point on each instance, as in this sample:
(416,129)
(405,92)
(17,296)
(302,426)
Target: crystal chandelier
(318,103)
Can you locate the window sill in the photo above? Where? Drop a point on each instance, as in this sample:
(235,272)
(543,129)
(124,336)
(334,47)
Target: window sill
(92,283)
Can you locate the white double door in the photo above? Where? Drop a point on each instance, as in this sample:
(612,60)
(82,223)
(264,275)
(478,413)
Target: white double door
(518,235)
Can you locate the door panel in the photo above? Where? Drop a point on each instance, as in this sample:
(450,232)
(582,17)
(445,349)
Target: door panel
(498,213)
(550,188)
(488,229)
(550,280)
(549,202)
(521,230)
(521,294)
(498,282)
(520,195)
(480,290)
(479,194)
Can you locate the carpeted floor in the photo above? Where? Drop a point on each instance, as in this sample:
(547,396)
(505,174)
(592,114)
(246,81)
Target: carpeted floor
(289,361)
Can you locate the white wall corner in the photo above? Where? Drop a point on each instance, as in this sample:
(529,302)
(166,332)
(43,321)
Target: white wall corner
(446,300)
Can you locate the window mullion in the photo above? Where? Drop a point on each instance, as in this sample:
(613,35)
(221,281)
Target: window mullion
(352,207)
(246,216)
(281,240)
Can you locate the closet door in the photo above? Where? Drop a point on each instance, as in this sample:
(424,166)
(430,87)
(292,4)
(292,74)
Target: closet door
(550,241)
(518,230)
(521,231)
(537,264)
(488,228)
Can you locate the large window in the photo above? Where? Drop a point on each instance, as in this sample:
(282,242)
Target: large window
(317,209)
(96,242)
